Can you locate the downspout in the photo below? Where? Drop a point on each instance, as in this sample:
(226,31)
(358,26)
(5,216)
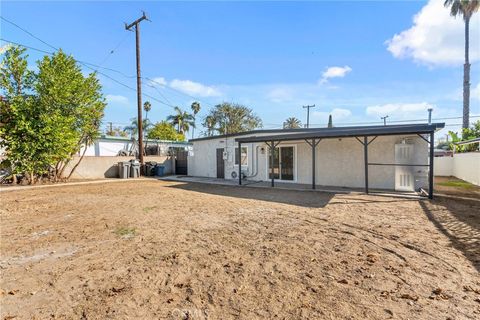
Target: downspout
(255,172)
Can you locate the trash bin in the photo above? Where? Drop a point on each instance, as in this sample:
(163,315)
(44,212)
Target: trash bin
(150,168)
(159,170)
(123,169)
(134,169)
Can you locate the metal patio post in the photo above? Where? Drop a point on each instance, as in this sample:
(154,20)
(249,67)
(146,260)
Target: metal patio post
(272,153)
(430,171)
(365,151)
(239,163)
(313,163)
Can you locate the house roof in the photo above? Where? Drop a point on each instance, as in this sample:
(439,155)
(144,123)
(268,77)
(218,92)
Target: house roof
(344,132)
(474,140)
(252,132)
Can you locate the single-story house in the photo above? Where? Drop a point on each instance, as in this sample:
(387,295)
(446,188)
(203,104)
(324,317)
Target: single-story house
(391,157)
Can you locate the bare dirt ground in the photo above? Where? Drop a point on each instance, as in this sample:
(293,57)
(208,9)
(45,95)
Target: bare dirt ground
(167,250)
(456,187)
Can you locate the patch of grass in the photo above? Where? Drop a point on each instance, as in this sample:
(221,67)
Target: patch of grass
(457,184)
(125,231)
(148,209)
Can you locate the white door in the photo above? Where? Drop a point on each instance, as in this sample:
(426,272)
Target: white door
(404,179)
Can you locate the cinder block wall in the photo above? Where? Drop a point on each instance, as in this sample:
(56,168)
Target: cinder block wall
(107,167)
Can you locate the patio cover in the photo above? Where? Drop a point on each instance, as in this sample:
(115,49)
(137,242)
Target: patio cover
(314,136)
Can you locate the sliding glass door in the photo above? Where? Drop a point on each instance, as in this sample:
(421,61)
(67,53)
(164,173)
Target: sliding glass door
(283,163)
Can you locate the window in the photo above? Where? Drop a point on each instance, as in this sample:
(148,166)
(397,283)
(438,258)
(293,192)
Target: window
(244,156)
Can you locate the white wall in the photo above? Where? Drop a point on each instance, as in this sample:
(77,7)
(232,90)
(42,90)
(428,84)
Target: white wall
(107,167)
(339,162)
(465,166)
(443,166)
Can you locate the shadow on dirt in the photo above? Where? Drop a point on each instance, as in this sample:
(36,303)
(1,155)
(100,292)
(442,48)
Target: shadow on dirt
(459,220)
(303,198)
(293,197)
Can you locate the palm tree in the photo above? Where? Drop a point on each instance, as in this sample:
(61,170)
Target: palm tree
(464,8)
(210,124)
(292,123)
(147,106)
(132,129)
(195,108)
(182,119)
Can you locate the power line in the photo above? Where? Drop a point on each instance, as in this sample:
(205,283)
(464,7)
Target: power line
(180,92)
(400,121)
(114,49)
(28,32)
(99,66)
(87,65)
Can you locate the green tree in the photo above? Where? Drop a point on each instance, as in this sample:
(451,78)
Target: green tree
(73,106)
(209,123)
(132,129)
(116,132)
(182,120)
(292,123)
(465,8)
(330,121)
(231,118)
(165,131)
(467,134)
(47,117)
(18,115)
(195,109)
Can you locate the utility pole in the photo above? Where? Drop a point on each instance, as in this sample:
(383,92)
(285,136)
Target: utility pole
(384,120)
(136,24)
(308,113)
(111,127)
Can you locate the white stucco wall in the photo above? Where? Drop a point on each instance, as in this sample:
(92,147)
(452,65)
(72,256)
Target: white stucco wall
(443,166)
(339,162)
(465,166)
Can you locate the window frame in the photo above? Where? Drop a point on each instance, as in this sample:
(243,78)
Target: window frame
(240,156)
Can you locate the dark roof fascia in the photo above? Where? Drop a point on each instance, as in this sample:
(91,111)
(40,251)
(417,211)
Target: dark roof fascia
(300,130)
(347,132)
(220,136)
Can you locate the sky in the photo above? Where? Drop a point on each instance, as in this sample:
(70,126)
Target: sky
(357,60)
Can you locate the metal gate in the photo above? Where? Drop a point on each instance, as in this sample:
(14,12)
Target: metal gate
(181,157)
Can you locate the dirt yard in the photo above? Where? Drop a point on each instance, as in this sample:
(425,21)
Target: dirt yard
(167,250)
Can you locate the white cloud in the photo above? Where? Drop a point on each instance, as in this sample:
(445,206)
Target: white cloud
(194,88)
(337,114)
(280,94)
(475,93)
(400,110)
(334,72)
(117,99)
(159,81)
(436,38)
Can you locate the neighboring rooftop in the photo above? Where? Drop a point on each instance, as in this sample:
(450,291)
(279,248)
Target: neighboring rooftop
(471,141)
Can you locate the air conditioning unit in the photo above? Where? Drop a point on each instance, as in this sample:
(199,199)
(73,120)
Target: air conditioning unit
(234,175)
